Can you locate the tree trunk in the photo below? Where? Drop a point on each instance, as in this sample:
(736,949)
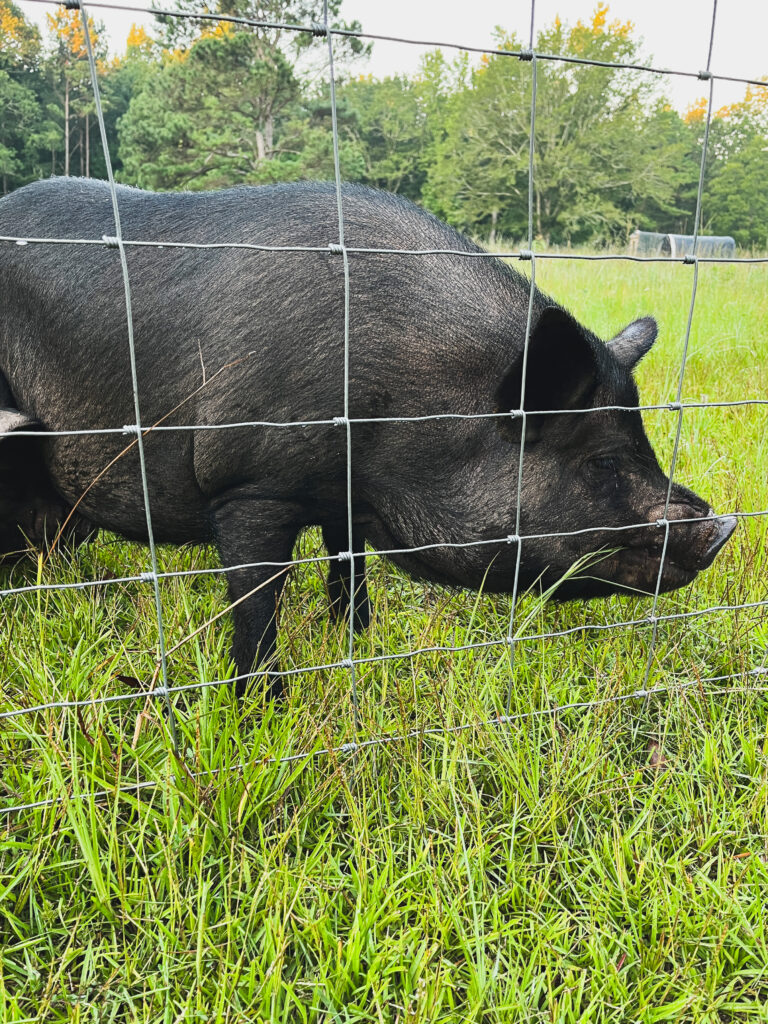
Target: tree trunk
(87,146)
(66,127)
(261,150)
(494,218)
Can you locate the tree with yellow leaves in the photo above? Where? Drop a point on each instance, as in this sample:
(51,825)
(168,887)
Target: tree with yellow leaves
(20,113)
(69,78)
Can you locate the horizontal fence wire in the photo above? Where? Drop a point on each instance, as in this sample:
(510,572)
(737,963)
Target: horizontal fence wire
(346,421)
(426,733)
(523,255)
(337,421)
(317,29)
(149,577)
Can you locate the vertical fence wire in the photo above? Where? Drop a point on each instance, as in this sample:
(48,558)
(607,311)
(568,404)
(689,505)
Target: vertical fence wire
(134,380)
(520,412)
(345,419)
(677,404)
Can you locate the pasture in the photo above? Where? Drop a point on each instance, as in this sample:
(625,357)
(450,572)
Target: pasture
(600,863)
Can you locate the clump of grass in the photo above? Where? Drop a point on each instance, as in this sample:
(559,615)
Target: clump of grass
(595,863)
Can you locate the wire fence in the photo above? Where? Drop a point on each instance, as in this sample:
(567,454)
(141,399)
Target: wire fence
(161,688)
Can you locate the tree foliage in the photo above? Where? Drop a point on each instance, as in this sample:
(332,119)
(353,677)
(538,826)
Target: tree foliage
(230,94)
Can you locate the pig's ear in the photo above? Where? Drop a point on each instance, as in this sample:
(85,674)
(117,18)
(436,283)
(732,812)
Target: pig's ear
(12,420)
(630,345)
(561,373)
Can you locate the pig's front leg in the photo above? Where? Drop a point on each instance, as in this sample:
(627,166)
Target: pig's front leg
(247,532)
(336,539)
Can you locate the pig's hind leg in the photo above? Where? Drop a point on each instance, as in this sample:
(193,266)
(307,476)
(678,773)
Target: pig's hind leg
(336,540)
(256,534)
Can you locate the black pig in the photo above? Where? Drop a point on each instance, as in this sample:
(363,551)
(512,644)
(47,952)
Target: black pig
(31,512)
(227,335)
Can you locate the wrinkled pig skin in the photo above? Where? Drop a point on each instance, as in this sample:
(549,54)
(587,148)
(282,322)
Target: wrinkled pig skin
(227,335)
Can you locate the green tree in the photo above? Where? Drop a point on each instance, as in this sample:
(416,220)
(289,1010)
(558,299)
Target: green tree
(68,72)
(596,154)
(181,32)
(735,200)
(387,121)
(206,117)
(21,120)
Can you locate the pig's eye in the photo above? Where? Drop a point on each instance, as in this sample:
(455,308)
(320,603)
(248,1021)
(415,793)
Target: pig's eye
(602,467)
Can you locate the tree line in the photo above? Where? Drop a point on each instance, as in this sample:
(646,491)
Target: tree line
(206,103)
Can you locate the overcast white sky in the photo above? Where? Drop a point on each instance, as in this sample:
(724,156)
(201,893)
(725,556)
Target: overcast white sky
(675,32)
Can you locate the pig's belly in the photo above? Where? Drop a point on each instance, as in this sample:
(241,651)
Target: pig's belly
(102,474)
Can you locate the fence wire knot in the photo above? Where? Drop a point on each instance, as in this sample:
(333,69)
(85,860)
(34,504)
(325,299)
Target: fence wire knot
(641,693)
(160,691)
(675,406)
(72,5)
(653,619)
(347,663)
(147,577)
(525,54)
(21,241)
(705,75)
(662,522)
(344,556)
(319,30)
(335,249)
(340,421)
(131,428)
(690,259)
(513,538)
(526,254)
(111,241)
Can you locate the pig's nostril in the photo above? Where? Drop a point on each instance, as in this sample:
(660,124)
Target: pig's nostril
(723,530)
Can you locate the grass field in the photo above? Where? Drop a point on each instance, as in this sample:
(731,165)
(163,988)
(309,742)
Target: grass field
(607,863)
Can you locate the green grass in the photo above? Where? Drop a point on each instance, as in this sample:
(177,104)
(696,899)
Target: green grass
(598,864)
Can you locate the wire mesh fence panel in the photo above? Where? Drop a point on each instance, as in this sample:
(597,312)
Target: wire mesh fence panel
(641,647)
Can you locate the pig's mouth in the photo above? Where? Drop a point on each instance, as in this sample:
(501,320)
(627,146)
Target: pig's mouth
(641,567)
(638,570)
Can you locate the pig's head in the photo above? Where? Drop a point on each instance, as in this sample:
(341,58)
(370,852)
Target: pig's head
(31,512)
(596,471)
(591,483)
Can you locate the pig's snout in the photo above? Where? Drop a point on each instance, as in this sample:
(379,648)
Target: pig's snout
(696,538)
(723,528)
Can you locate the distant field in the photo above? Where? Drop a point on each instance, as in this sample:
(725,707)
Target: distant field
(601,864)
